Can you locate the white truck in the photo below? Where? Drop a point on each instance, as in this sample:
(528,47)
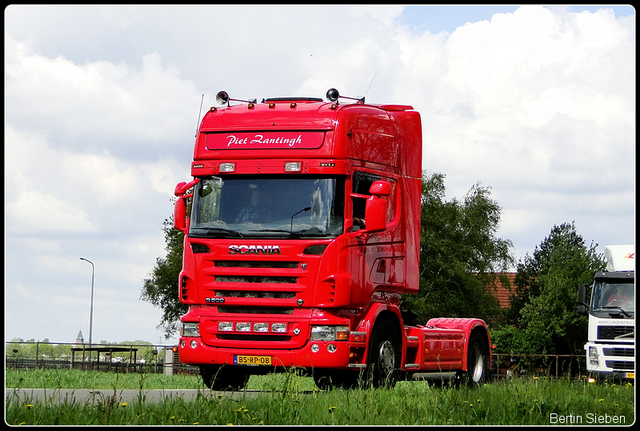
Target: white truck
(610,346)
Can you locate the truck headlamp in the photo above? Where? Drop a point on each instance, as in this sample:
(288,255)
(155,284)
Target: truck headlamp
(190,329)
(593,355)
(329,333)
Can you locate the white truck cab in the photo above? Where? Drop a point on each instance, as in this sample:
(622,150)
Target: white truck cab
(610,348)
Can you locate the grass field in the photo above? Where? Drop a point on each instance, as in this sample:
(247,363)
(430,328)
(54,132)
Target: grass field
(292,400)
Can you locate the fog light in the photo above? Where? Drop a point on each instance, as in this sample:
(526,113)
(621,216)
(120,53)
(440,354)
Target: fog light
(315,348)
(331,348)
(182,344)
(279,327)
(194,344)
(261,327)
(243,326)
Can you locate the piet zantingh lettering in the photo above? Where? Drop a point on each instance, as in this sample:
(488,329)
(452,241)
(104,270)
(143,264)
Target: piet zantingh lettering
(586,419)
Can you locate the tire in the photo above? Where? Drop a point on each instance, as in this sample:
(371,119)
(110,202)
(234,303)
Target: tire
(383,360)
(478,371)
(221,378)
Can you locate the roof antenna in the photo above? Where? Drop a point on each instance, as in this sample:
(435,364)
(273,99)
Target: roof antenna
(374,77)
(199,113)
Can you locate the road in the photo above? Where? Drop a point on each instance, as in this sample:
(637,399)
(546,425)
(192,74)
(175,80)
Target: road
(83,396)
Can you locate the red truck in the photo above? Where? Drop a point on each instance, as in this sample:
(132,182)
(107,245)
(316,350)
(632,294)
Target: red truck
(302,229)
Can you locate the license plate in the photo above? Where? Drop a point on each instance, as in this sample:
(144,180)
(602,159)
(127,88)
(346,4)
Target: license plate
(251,360)
(630,375)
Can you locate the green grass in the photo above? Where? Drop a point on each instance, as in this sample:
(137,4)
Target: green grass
(292,400)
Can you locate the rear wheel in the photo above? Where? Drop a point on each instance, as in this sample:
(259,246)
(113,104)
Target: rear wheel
(478,371)
(384,356)
(224,378)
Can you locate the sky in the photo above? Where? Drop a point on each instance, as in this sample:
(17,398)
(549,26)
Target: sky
(102,102)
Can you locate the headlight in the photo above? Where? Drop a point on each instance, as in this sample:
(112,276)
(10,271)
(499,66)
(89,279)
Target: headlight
(190,329)
(593,355)
(329,333)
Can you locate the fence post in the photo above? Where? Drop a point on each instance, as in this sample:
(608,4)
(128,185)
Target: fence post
(168,362)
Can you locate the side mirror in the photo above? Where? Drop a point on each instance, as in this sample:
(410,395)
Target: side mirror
(376,207)
(180,208)
(582,299)
(180,215)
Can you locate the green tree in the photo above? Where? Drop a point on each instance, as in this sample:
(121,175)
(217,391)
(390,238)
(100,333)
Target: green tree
(460,255)
(161,288)
(543,317)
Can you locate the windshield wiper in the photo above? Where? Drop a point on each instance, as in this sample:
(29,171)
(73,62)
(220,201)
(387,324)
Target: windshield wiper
(274,230)
(615,307)
(211,231)
(314,231)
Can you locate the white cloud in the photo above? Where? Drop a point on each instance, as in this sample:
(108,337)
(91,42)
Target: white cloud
(99,104)
(33,212)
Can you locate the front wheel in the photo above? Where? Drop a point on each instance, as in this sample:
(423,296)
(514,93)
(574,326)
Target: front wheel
(384,356)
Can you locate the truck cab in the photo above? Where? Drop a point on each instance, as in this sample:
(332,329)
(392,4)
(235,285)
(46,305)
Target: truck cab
(302,227)
(610,348)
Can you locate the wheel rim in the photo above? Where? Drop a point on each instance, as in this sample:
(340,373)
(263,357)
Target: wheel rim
(386,357)
(478,365)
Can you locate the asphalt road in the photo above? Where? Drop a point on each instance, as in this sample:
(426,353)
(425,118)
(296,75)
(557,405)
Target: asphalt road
(90,396)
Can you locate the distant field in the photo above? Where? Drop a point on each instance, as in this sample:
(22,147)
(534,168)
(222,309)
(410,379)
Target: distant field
(294,400)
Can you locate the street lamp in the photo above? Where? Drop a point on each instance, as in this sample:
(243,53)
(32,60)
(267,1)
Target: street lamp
(91,312)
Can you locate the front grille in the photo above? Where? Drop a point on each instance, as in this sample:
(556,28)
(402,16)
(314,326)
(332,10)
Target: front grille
(255,279)
(615,332)
(620,365)
(618,351)
(254,264)
(244,310)
(253,294)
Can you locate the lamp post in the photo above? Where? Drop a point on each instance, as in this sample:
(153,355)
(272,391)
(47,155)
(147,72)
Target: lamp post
(91,312)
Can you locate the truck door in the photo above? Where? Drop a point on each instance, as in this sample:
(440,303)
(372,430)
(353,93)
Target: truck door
(373,262)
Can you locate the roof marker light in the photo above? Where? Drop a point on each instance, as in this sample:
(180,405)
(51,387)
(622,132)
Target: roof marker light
(227,167)
(293,166)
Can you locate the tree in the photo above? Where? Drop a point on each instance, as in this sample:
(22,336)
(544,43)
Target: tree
(161,288)
(543,315)
(460,255)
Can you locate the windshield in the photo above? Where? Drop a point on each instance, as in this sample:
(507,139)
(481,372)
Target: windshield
(291,206)
(613,297)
